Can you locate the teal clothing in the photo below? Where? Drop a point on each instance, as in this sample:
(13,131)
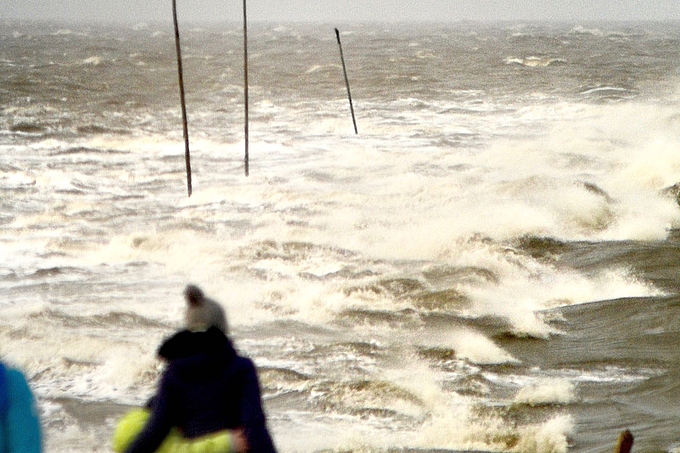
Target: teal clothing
(19,422)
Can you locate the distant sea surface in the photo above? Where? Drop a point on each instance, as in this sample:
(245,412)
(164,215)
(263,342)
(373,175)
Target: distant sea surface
(490,264)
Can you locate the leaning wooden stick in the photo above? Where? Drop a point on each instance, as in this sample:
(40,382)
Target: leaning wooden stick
(245,80)
(187,157)
(344,70)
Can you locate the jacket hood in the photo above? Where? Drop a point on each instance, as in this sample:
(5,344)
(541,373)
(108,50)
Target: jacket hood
(197,353)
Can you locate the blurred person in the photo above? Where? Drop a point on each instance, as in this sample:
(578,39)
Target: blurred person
(20,430)
(208,399)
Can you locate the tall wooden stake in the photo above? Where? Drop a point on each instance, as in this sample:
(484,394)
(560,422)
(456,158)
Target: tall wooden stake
(187,157)
(625,442)
(344,70)
(245,80)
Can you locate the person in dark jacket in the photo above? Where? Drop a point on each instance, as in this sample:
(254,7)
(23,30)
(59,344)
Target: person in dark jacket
(206,388)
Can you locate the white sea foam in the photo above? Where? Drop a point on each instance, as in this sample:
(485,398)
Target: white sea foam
(94,60)
(479,350)
(16,180)
(547,391)
(549,437)
(458,428)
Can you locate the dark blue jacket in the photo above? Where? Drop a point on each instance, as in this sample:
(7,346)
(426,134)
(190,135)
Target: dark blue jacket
(206,387)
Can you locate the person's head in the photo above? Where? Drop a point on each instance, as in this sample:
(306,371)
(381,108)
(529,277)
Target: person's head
(203,313)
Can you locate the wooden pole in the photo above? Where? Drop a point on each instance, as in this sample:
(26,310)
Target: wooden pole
(187,157)
(344,70)
(245,82)
(624,443)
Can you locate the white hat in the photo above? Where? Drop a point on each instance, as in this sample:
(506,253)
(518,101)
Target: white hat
(203,313)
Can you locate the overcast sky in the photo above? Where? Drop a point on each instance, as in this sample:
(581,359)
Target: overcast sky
(343,10)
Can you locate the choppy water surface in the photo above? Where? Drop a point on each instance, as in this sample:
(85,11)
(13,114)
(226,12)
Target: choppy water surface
(489,265)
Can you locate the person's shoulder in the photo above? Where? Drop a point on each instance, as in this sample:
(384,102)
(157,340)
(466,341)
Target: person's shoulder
(244,361)
(14,376)
(17,383)
(244,364)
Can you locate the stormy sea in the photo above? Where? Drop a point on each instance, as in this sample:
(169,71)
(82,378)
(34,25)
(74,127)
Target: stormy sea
(490,264)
